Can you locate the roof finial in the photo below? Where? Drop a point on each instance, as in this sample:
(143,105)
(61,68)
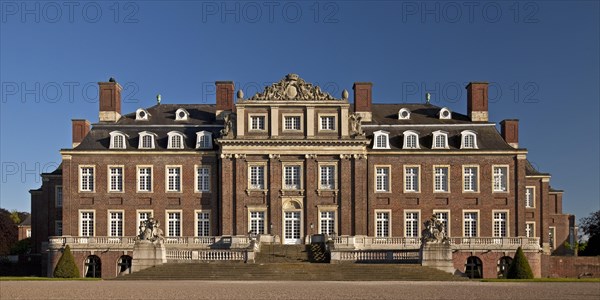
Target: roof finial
(158,99)
(427,98)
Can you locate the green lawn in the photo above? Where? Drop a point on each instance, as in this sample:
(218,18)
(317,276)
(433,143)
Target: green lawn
(543,280)
(32,278)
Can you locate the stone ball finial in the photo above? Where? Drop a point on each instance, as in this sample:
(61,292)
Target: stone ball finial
(240,94)
(345,94)
(112,79)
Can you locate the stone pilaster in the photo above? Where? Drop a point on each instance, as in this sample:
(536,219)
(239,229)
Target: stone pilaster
(227,196)
(361,210)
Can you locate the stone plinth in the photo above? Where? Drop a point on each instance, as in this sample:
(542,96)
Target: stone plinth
(437,255)
(148,254)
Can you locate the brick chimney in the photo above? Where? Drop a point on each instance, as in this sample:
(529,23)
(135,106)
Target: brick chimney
(510,132)
(477,101)
(110,100)
(80,129)
(224,97)
(363,99)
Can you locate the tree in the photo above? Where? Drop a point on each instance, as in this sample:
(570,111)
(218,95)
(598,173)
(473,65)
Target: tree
(66,267)
(8,232)
(15,217)
(591,227)
(519,269)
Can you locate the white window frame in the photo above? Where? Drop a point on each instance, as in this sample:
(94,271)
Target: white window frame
(169,190)
(386,178)
(400,114)
(81,221)
(168,224)
(378,221)
(383,136)
(334,176)
(110,175)
(207,177)
(532,231)
(197,221)
(448,116)
(139,176)
(114,144)
(109,223)
(463,139)
(440,134)
(173,143)
(152,137)
(141,211)
(93,179)
(58,196)
(252,219)
(447,176)
(265,122)
(475,180)
(506,223)
(448,220)
(139,117)
(331,126)
(417,222)
(506,180)
(328,209)
(411,134)
(257,187)
(185,116)
(296,126)
(417,182)
(299,175)
(530,203)
(477,222)
(204,140)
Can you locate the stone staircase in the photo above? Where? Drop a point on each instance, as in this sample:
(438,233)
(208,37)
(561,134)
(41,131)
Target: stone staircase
(282,254)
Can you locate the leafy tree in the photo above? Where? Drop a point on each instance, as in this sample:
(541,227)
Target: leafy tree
(591,227)
(15,217)
(21,247)
(66,267)
(519,269)
(8,232)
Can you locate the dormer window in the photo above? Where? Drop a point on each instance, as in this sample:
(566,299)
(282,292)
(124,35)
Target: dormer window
(440,140)
(175,140)
(181,115)
(204,140)
(411,140)
(468,139)
(404,114)
(146,140)
(381,140)
(445,114)
(117,140)
(141,115)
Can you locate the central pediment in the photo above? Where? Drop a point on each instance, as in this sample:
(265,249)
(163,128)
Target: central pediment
(293,88)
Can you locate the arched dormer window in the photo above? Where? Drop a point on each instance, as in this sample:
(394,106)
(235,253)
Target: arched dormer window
(146,140)
(381,140)
(175,140)
(118,140)
(204,140)
(468,139)
(411,140)
(404,114)
(181,115)
(445,114)
(440,140)
(141,115)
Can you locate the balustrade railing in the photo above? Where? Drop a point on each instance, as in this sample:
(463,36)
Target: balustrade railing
(207,255)
(366,243)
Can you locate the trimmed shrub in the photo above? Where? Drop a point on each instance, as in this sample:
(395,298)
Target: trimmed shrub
(66,267)
(519,269)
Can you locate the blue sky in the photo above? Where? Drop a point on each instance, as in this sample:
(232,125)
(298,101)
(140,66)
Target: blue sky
(542,59)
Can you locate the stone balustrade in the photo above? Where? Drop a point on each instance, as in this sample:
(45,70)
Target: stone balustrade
(348,243)
(126,243)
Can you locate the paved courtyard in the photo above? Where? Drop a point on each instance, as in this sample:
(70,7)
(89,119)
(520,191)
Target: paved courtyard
(294,290)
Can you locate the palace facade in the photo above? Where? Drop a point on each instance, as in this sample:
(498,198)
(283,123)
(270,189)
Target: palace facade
(290,163)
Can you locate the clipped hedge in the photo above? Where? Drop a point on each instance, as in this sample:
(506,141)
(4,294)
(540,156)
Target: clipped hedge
(66,267)
(519,269)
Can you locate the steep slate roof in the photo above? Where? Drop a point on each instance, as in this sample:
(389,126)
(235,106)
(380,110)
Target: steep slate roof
(531,171)
(27,221)
(387,114)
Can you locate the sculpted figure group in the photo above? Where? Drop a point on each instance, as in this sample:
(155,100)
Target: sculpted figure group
(150,231)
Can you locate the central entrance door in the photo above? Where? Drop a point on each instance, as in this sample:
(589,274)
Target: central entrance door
(291,228)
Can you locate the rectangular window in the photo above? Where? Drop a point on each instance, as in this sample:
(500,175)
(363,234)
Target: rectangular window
(500,180)
(551,236)
(327,177)
(204,141)
(86,179)
(444,218)
(382,224)
(59,196)
(411,179)
(202,179)
(86,219)
(257,178)
(470,179)
(470,224)
(440,179)
(411,223)
(291,177)
(292,123)
(173,224)
(115,223)
(203,223)
(143,216)
(500,223)
(530,229)
(145,179)
(328,123)
(257,122)
(58,228)
(382,180)
(257,222)
(173,179)
(530,197)
(327,223)
(115,179)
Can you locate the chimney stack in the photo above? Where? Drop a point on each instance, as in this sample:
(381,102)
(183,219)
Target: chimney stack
(510,132)
(477,101)
(110,100)
(80,129)
(224,97)
(363,100)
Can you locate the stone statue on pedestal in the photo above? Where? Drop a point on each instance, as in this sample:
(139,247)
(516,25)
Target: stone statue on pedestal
(150,231)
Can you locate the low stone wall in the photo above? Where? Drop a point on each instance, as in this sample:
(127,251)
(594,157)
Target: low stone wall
(490,261)
(570,266)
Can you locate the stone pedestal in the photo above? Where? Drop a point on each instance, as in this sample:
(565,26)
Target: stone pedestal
(437,255)
(148,254)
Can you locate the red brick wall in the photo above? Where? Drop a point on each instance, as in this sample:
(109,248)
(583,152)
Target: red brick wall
(490,261)
(570,266)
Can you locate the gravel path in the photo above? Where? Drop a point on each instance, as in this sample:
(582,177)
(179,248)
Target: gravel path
(294,290)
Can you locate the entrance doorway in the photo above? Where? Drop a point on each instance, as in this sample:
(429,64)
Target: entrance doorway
(291,227)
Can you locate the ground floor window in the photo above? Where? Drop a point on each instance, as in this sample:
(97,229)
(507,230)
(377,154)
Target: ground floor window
(327,222)
(174,224)
(474,267)
(412,224)
(124,265)
(382,224)
(503,265)
(93,267)
(257,222)
(203,223)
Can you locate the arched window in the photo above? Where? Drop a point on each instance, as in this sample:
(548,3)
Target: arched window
(204,140)
(403,114)
(474,267)
(468,139)
(124,265)
(146,140)
(445,114)
(181,115)
(440,140)
(381,140)
(411,140)
(93,267)
(175,140)
(117,140)
(141,115)
(503,265)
